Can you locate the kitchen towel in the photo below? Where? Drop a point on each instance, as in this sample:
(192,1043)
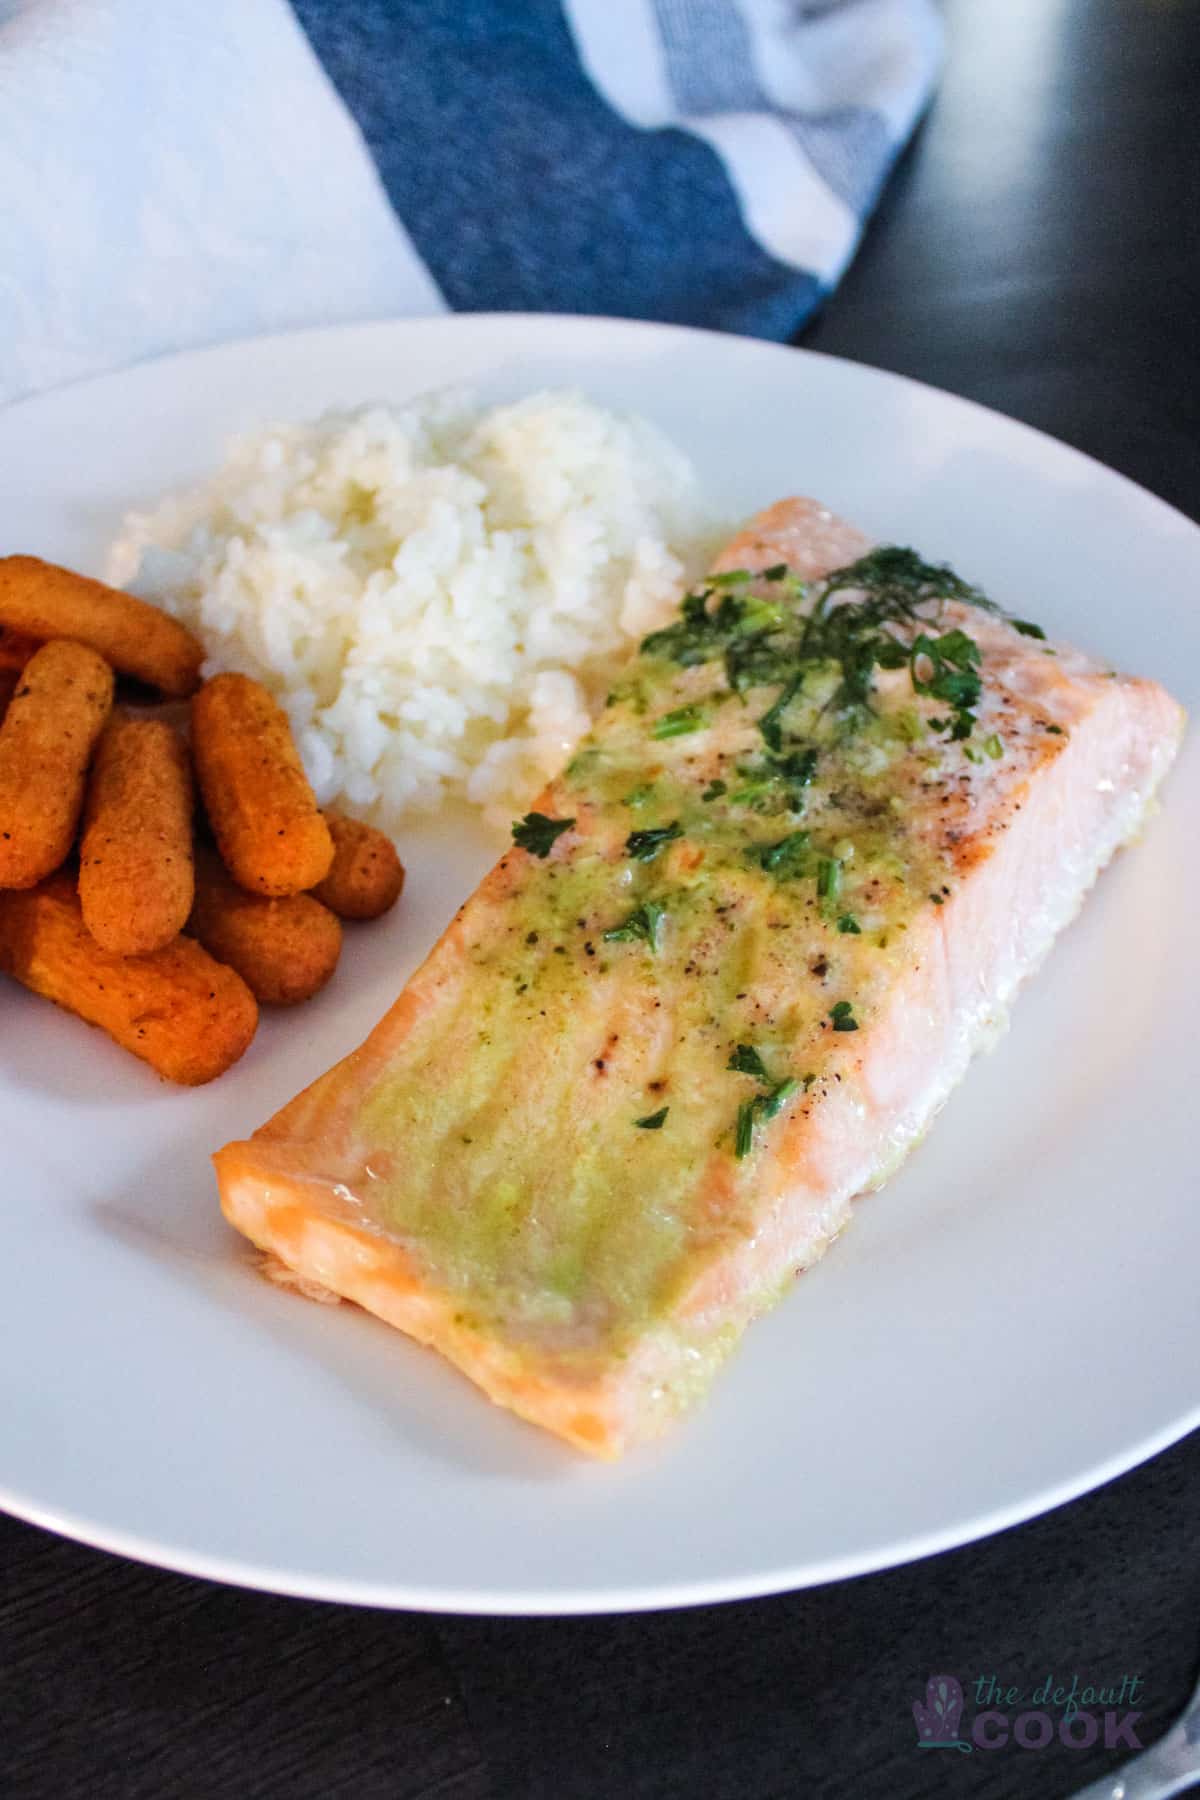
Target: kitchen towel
(178,172)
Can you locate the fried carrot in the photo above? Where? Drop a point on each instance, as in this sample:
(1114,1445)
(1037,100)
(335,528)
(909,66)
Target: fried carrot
(180,1011)
(262,810)
(366,876)
(137,639)
(46,743)
(135,857)
(284,949)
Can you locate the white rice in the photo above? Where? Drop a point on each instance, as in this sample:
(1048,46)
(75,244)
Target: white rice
(434,592)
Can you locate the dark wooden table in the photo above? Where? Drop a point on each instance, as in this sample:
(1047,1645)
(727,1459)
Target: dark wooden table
(1039,250)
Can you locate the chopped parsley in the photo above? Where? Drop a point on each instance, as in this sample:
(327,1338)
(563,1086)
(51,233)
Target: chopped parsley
(993,746)
(746,1061)
(537,833)
(714,790)
(788,857)
(842,1016)
(829,877)
(642,926)
(679,723)
(893,604)
(849,925)
(952,661)
(762,1107)
(644,846)
(1056,729)
(653,1121)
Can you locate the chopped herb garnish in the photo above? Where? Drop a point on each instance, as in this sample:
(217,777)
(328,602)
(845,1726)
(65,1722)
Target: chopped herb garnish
(653,1121)
(938,899)
(714,790)
(679,723)
(881,612)
(971,753)
(771,723)
(829,877)
(842,1016)
(1056,729)
(644,846)
(763,1106)
(643,925)
(537,833)
(1027,628)
(776,1100)
(993,746)
(849,925)
(746,1061)
(952,661)
(787,858)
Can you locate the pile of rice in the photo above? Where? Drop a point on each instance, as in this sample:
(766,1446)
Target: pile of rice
(435,593)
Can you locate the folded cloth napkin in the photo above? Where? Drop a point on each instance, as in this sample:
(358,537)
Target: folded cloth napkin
(179,173)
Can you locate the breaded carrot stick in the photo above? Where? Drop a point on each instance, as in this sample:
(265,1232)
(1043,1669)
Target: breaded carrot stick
(262,810)
(46,743)
(366,877)
(284,949)
(180,1011)
(48,602)
(16,648)
(135,857)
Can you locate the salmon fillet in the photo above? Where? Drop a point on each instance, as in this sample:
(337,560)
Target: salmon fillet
(730,968)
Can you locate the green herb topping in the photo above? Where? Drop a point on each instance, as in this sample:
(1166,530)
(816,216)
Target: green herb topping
(679,723)
(537,833)
(787,858)
(842,1016)
(642,926)
(653,1121)
(644,846)
(829,877)
(761,1108)
(746,1061)
(849,925)
(891,599)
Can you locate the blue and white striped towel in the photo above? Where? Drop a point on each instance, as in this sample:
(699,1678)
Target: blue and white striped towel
(176,172)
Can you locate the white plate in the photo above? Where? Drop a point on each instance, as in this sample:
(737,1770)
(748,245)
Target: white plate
(1013,1320)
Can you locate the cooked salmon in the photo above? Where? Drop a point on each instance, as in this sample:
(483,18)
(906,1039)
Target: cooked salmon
(733,963)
